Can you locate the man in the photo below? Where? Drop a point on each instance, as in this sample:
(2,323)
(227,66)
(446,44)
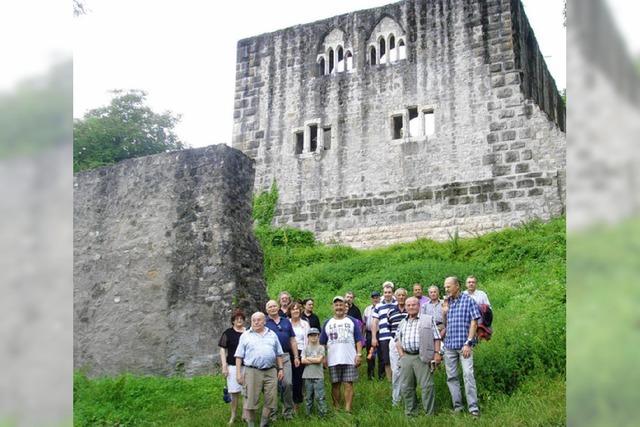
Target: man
(396,315)
(480,297)
(434,307)
(287,337)
(284,298)
(353,310)
(417,292)
(461,316)
(380,333)
(309,315)
(372,354)
(260,351)
(418,343)
(342,338)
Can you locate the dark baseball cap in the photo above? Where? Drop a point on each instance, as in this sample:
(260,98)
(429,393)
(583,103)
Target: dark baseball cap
(375,294)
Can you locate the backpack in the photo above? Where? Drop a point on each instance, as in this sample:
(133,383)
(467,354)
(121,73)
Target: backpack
(484,330)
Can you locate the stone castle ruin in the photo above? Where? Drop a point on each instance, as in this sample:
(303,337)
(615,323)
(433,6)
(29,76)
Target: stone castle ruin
(422,118)
(163,252)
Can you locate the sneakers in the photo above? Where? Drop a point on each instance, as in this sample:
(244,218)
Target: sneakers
(475,414)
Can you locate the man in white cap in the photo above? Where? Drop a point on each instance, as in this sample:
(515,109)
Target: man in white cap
(342,338)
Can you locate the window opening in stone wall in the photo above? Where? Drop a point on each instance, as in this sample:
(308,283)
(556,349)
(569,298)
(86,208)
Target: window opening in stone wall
(349,61)
(397,127)
(331,61)
(383,51)
(429,122)
(299,142)
(340,59)
(313,134)
(326,136)
(402,50)
(414,122)
(393,52)
(372,56)
(321,65)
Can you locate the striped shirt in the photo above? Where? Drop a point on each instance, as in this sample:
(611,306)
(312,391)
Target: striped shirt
(381,312)
(395,317)
(462,311)
(408,334)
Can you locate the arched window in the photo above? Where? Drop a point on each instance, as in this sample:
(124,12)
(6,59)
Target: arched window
(383,50)
(402,50)
(331,61)
(340,59)
(349,61)
(321,65)
(393,52)
(373,56)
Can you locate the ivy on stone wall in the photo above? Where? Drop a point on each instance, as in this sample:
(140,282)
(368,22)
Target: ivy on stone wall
(264,208)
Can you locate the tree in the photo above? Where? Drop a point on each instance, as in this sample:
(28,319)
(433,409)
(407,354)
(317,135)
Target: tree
(124,129)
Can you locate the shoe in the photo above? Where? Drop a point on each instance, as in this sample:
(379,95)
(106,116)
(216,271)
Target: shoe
(475,414)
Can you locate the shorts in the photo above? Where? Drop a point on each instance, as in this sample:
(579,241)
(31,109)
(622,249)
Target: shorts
(343,374)
(384,351)
(232,380)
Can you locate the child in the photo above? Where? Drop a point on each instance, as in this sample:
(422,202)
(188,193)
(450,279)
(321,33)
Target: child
(313,376)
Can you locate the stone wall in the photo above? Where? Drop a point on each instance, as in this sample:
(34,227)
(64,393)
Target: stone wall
(603,180)
(469,66)
(163,251)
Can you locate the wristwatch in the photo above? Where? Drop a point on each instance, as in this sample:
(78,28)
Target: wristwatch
(441,352)
(468,342)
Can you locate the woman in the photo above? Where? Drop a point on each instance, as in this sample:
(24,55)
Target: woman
(308,314)
(300,327)
(228,344)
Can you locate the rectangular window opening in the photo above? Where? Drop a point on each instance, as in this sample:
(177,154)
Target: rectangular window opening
(397,127)
(414,121)
(299,142)
(429,122)
(313,134)
(326,136)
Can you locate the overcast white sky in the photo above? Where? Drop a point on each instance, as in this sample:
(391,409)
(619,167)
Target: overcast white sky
(183,52)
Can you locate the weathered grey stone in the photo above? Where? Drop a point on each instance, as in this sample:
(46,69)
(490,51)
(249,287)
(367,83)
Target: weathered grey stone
(163,251)
(473,67)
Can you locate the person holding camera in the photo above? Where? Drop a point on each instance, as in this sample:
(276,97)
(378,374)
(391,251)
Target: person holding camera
(418,343)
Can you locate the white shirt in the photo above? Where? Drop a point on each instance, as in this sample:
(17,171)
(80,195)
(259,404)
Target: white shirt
(301,334)
(368,317)
(480,297)
(341,345)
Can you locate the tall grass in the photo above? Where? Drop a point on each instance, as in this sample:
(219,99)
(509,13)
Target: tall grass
(520,373)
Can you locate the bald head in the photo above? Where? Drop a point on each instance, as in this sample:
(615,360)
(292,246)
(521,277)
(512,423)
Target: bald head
(258,321)
(413,306)
(272,308)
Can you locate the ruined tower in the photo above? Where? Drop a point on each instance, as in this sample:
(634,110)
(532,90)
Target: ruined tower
(419,118)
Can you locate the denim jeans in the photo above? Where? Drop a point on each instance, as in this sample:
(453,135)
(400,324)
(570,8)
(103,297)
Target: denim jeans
(314,390)
(451,359)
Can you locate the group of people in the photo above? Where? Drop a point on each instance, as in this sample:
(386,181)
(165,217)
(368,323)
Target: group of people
(287,350)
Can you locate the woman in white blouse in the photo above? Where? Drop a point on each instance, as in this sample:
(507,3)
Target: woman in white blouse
(300,327)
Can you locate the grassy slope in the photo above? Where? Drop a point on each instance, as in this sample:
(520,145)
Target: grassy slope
(520,372)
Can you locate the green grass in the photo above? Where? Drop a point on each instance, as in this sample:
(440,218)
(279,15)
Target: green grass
(520,373)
